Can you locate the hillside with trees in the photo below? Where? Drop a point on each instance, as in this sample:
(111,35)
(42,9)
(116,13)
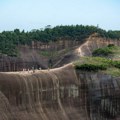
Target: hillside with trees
(9,40)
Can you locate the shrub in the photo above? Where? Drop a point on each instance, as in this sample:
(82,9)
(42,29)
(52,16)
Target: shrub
(91,67)
(104,51)
(111,45)
(116,64)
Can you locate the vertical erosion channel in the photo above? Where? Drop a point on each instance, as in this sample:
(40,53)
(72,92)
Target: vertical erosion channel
(59,94)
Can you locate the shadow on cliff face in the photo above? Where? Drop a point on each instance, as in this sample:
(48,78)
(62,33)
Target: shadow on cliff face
(101,95)
(58,94)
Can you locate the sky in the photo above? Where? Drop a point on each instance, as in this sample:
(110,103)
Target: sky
(36,14)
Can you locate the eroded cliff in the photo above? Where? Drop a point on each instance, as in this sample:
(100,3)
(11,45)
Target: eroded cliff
(94,42)
(91,43)
(59,94)
(61,52)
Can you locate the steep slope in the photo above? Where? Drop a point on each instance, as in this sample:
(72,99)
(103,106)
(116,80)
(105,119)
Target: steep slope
(70,56)
(93,42)
(43,95)
(59,94)
(38,55)
(63,93)
(60,53)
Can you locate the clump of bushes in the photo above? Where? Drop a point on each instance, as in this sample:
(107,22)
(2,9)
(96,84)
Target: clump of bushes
(116,64)
(91,67)
(111,45)
(104,51)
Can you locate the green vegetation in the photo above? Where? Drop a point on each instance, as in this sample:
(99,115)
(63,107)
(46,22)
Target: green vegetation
(116,64)
(48,53)
(53,53)
(91,67)
(9,40)
(113,72)
(98,64)
(110,51)
(105,51)
(92,63)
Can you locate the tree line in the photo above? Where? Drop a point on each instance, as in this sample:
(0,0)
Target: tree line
(9,40)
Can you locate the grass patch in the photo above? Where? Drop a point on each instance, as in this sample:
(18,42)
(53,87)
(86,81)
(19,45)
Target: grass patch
(105,51)
(54,53)
(92,63)
(98,64)
(48,53)
(113,71)
(106,59)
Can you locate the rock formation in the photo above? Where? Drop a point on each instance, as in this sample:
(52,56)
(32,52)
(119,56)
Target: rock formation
(30,56)
(59,94)
(93,42)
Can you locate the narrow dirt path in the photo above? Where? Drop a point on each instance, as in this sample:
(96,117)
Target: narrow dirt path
(80,51)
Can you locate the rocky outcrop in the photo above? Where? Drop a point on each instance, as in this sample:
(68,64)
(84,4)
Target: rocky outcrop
(100,95)
(19,64)
(29,56)
(59,94)
(93,42)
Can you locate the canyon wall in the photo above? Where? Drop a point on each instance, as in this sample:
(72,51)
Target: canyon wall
(59,94)
(90,44)
(93,42)
(29,56)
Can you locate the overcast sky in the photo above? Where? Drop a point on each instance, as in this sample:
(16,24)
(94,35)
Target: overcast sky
(36,14)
